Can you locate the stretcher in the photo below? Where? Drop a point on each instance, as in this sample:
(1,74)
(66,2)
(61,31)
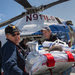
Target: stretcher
(43,62)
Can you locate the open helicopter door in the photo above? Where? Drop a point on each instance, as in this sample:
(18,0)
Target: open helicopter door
(35,22)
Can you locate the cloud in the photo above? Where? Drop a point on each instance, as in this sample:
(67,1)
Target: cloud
(1,16)
(0,19)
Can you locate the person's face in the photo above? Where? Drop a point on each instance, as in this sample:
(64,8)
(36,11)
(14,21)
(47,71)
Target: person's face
(46,33)
(15,38)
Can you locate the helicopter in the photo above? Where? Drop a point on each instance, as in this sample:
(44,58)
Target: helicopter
(30,10)
(33,12)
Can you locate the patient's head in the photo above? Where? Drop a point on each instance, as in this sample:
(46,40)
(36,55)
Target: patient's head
(56,48)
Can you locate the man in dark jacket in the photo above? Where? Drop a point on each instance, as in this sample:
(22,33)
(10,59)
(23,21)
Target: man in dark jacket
(0,58)
(47,33)
(13,62)
(0,44)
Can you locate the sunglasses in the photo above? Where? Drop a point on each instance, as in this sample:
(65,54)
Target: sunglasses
(15,34)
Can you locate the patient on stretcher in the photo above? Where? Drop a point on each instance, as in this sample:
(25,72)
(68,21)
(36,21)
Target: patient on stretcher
(57,45)
(55,48)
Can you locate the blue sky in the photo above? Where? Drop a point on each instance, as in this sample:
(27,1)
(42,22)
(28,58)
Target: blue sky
(10,8)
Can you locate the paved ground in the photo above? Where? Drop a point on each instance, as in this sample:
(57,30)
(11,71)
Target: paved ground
(73,71)
(72,74)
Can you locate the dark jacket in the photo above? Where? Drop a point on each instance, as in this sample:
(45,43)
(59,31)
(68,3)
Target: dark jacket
(52,38)
(0,44)
(0,62)
(13,62)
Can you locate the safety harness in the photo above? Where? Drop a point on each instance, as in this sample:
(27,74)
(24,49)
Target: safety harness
(51,62)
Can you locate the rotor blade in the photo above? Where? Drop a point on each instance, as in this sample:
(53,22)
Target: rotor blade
(15,18)
(44,7)
(31,11)
(24,3)
(53,4)
(12,20)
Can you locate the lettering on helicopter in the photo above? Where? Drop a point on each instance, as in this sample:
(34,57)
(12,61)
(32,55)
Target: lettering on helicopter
(39,17)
